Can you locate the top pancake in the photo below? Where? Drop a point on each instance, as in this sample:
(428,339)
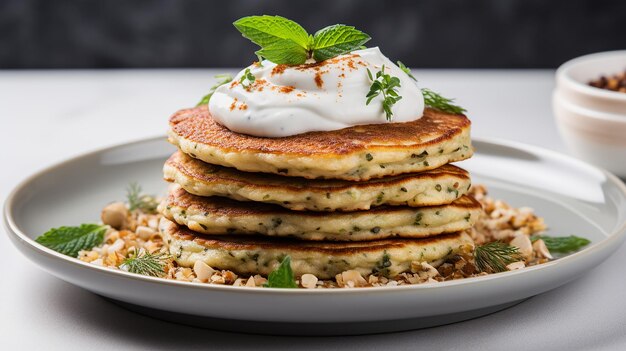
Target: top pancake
(355,153)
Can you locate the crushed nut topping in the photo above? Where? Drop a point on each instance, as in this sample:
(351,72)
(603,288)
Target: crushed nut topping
(136,230)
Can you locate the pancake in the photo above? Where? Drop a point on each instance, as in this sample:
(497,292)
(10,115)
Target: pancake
(249,255)
(356,153)
(435,187)
(219,215)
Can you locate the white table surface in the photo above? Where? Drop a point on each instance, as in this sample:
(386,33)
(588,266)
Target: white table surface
(48,116)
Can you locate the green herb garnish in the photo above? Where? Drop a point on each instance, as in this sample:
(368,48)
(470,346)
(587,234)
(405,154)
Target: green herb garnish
(71,240)
(138,201)
(221,80)
(247,78)
(406,70)
(441,103)
(495,256)
(284,41)
(387,86)
(562,244)
(282,277)
(382,267)
(145,263)
(336,40)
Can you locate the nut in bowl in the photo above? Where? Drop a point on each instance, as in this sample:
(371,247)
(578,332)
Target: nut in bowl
(590,108)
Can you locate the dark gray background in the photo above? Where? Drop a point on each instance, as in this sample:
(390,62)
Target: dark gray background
(435,33)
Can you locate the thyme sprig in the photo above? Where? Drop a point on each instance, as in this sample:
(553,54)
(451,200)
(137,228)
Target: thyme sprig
(441,103)
(221,80)
(495,256)
(386,85)
(138,201)
(247,78)
(145,263)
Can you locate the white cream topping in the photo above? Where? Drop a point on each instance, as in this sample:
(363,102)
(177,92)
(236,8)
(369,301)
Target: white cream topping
(289,100)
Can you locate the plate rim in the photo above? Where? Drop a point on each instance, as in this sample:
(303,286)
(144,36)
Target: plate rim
(14,233)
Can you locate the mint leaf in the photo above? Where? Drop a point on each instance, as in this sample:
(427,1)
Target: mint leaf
(336,40)
(284,51)
(267,30)
(221,80)
(562,244)
(282,277)
(70,240)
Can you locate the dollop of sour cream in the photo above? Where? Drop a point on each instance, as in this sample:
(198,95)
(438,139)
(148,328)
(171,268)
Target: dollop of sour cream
(288,100)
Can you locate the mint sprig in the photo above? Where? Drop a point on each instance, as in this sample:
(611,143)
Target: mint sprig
(71,240)
(284,41)
(282,277)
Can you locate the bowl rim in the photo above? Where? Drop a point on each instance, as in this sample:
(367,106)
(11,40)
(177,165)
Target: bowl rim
(558,98)
(563,76)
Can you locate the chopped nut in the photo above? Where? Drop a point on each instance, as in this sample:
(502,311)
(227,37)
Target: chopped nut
(427,271)
(116,215)
(308,281)
(351,278)
(540,248)
(153,222)
(522,242)
(259,280)
(229,276)
(516,265)
(251,283)
(144,233)
(218,279)
(203,271)
(116,246)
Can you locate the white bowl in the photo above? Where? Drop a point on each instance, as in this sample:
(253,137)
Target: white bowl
(592,121)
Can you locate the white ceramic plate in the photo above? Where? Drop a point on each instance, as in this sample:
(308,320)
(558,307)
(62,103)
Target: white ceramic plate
(574,198)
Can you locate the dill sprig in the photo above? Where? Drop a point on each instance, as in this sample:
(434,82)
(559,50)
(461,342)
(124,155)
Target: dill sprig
(406,70)
(387,86)
(495,256)
(247,78)
(441,103)
(138,201)
(145,263)
(221,80)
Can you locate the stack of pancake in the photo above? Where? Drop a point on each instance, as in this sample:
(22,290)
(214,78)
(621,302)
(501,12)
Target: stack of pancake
(371,198)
